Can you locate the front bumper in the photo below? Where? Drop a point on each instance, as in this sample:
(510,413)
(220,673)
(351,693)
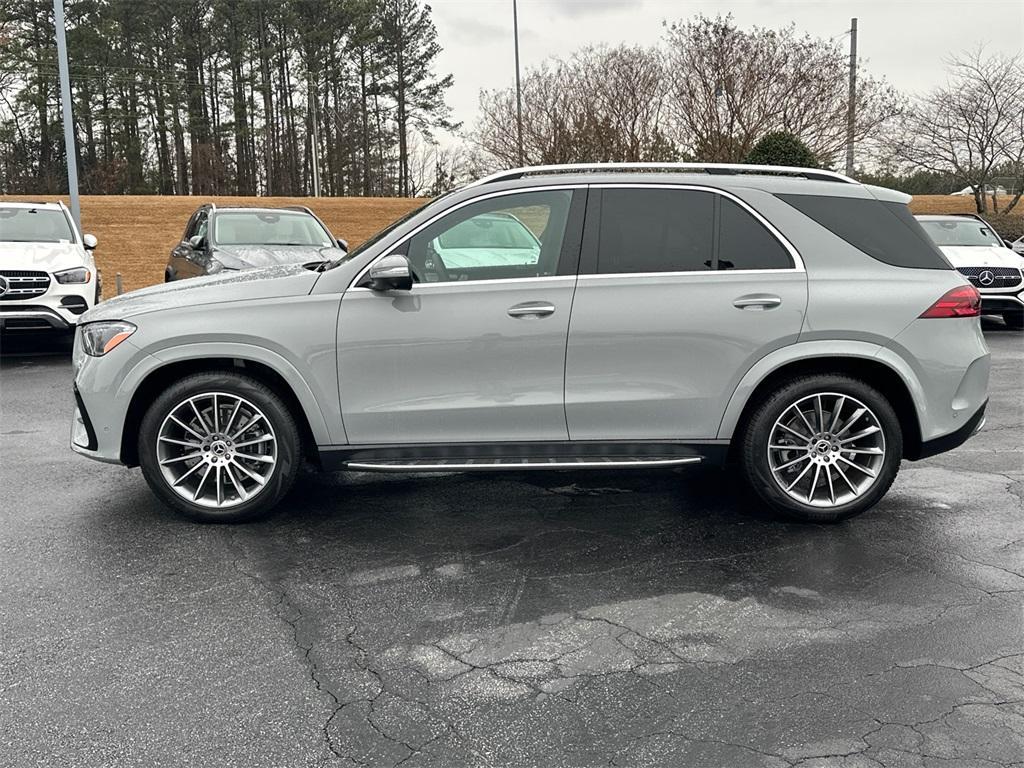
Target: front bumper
(997,303)
(57,309)
(32,318)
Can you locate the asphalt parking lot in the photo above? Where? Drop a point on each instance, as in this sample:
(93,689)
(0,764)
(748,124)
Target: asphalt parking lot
(537,619)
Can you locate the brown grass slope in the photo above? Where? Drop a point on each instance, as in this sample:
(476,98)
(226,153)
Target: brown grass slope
(136,233)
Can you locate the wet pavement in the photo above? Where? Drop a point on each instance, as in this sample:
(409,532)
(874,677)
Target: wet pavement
(540,619)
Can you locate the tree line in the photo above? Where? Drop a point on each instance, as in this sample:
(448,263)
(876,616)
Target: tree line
(239,97)
(216,97)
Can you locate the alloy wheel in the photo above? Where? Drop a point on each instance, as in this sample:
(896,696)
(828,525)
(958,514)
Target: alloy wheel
(216,449)
(826,449)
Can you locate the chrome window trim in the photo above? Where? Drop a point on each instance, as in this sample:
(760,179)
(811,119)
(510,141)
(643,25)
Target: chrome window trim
(354,285)
(466,283)
(798,262)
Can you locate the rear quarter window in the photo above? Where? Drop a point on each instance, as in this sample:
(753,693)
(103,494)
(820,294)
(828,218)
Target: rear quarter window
(884,230)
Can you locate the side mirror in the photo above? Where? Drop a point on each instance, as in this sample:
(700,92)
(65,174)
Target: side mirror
(392,273)
(89,241)
(343,244)
(198,242)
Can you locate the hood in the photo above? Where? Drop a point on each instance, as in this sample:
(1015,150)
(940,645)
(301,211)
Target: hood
(51,257)
(186,295)
(980,256)
(248,256)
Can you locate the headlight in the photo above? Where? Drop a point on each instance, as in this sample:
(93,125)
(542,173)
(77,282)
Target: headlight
(99,338)
(75,275)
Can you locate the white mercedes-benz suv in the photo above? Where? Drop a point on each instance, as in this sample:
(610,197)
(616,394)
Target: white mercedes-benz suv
(48,277)
(978,253)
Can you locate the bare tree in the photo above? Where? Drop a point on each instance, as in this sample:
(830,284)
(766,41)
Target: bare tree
(971,126)
(599,105)
(729,87)
(434,169)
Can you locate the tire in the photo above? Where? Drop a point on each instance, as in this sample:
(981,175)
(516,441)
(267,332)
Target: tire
(1014,320)
(824,494)
(237,465)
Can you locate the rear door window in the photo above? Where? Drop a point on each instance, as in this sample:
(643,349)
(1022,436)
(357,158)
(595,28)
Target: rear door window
(745,243)
(655,230)
(884,230)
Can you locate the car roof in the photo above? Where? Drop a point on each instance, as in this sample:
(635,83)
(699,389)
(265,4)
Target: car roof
(31,205)
(261,209)
(726,176)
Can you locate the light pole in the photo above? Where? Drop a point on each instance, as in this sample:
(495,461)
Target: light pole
(851,108)
(519,91)
(65,103)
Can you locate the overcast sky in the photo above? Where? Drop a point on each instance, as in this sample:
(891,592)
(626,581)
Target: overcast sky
(903,40)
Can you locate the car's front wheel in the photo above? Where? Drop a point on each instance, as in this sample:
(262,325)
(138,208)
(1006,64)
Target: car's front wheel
(219,447)
(822,448)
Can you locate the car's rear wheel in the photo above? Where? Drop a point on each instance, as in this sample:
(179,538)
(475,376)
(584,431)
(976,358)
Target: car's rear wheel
(219,447)
(1014,320)
(822,448)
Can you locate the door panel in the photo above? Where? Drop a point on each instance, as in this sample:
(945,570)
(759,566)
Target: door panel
(658,356)
(447,362)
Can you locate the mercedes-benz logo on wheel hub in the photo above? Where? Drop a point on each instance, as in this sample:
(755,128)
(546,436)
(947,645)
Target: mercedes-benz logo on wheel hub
(986,277)
(4,285)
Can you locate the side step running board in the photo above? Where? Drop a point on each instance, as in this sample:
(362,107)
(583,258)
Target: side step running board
(509,463)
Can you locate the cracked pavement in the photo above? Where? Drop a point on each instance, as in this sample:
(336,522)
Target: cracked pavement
(643,618)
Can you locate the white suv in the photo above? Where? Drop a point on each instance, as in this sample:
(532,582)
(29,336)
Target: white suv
(980,255)
(48,278)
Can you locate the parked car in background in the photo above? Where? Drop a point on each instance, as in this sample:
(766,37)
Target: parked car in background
(231,239)
(973,247)
(1018,246)
(48,277)
(791,322)
(969,191)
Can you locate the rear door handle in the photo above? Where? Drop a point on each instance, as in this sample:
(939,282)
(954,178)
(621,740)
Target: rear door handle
(757,301)
(532,309)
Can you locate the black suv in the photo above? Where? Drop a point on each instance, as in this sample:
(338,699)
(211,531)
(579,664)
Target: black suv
(218,239)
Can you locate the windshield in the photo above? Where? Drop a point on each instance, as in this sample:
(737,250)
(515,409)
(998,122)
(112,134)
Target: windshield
(34,225)
(488,232)
(268,228)
(959,232)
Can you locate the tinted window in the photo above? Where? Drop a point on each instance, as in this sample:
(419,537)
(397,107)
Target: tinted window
(655,230)
(517,235)
(744,243)
(38,225)
(886,231)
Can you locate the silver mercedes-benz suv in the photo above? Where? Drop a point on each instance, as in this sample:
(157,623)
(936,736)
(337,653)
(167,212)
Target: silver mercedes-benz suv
(792,322)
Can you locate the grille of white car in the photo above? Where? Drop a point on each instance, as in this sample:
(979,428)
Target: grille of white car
(23,284)
(996,277)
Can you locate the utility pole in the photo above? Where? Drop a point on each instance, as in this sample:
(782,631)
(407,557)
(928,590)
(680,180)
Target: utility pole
(519,91)
(65,103)
(851,107)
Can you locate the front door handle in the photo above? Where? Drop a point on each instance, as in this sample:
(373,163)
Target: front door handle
(532,309)
(757,301)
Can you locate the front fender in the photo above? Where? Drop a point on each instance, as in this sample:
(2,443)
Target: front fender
(318,423)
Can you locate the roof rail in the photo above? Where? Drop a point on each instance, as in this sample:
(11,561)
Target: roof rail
(726,169)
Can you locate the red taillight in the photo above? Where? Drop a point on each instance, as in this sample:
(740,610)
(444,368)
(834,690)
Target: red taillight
(962,301)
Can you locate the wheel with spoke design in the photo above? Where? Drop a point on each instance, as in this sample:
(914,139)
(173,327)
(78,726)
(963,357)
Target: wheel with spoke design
(822,448)
(219,446)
